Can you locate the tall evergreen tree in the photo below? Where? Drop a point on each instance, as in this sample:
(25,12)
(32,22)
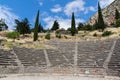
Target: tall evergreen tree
(95,25)
(101,24)
(36,27)
(117,15)
(73,26)
(55,25)
(40,28)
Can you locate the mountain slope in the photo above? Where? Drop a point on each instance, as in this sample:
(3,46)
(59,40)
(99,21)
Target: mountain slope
(108,13)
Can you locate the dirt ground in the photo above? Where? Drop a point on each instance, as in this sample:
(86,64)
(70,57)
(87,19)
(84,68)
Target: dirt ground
(57,78)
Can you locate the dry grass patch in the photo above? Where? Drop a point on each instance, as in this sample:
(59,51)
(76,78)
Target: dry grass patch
(8,45)
(35,45)
(4,33)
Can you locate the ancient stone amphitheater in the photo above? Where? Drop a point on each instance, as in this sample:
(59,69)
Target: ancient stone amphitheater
(87,57)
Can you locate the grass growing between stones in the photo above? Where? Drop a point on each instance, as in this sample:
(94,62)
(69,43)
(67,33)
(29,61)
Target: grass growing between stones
(8,45)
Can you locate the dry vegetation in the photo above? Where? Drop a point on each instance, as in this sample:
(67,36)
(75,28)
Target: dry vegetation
(27,41)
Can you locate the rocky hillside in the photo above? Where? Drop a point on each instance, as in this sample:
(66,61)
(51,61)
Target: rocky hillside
(108,13)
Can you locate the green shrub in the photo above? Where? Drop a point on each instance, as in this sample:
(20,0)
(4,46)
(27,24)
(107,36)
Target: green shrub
(57,32)
(107,33)
(58,36)
(112,24)
(88,27)
(117,23)
(83,35)
(65,37)
(13,35)
(69,29)
(95,35)
(47,36)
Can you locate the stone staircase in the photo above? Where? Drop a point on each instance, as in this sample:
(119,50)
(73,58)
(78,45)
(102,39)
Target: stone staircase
(7,62)
(87,57)
(90,55)
(33,60)
(93,54)
(114,64)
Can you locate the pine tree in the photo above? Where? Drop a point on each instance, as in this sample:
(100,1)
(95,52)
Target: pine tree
(36,27)
(117,15)
(23,27)
(55,26)
(101,24)
(80,26)
(73,27)
(3,25)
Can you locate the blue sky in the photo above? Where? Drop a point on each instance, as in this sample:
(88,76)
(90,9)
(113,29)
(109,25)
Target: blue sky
(50,10)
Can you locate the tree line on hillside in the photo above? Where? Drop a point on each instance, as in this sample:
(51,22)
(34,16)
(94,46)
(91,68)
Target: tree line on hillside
(23,26)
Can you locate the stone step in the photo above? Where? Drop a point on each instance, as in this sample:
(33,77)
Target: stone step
(5,63)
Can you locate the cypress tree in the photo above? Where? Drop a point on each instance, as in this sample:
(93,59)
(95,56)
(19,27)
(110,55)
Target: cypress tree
(95,25)
(73,28)
(101,24)
(36,27)
(40,28)
(117,15)
(55,25)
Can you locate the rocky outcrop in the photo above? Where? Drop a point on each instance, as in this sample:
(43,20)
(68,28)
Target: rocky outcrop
(108,13)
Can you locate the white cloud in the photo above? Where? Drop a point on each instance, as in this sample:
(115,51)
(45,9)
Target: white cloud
(105,3)
(87,9)
(9,17)
(57,8)
(74,6)
(91,8)
(77,6)
(64,23)
(40,3)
